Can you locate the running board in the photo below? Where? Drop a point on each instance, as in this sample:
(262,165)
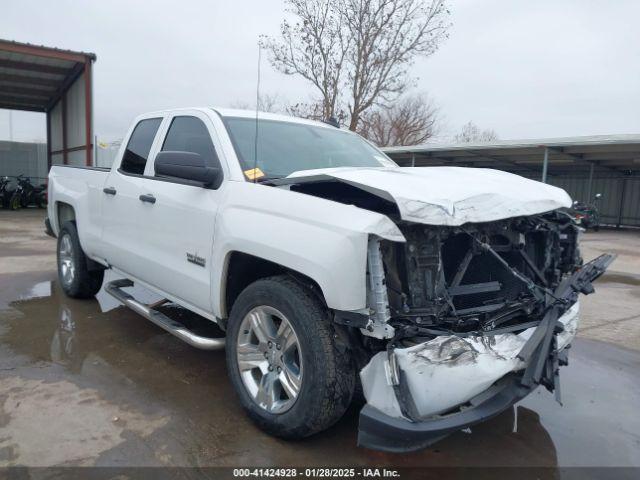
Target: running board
(114,289)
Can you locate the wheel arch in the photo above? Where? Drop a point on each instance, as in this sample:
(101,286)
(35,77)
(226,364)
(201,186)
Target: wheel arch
(64,213)
(242,269)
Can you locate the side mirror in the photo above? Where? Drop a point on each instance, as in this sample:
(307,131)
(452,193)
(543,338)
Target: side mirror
(187,166)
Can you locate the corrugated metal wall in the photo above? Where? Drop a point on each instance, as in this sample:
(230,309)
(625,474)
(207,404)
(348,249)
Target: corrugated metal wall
(620,202)
(74,103)
(76,136)
(29,159)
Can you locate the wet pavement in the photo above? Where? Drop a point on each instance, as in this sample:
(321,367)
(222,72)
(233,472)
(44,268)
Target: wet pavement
(83,386)
(88,382)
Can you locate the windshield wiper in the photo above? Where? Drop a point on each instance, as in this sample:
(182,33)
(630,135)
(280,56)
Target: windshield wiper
(267,179)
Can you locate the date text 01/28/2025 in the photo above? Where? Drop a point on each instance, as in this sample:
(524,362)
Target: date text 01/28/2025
(315,473)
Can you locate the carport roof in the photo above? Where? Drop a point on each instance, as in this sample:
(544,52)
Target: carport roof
(33,77)
(566,156)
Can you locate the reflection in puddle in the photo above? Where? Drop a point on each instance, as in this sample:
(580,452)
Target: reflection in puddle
(126,364)
(107,302)
(41,289)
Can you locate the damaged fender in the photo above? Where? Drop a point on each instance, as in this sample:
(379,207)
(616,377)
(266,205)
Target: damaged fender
(324,240)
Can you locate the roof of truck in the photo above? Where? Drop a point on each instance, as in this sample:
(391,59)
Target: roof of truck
(233,112)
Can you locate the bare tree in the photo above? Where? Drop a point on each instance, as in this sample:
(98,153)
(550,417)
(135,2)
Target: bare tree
(310,110)
(410,121)
(315,47)
(388,36)
(314,110)
(363,48)
(471,133)
(268,102)
(241,105)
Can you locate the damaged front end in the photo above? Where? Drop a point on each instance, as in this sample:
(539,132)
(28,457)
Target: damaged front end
(465,321)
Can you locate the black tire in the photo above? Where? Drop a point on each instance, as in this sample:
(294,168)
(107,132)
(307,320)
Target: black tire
(15,202)
(328,378)
(41,200)
(84,283)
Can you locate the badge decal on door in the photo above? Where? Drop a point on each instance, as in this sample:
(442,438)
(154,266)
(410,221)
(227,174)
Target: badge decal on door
(194,258)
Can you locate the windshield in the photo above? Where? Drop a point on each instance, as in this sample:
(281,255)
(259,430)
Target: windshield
(286,147)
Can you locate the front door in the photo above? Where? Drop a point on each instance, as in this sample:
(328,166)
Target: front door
(178,227)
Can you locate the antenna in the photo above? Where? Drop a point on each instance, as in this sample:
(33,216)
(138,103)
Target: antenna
(255,151)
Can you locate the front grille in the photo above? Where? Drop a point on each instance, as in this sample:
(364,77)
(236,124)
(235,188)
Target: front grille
(485,268)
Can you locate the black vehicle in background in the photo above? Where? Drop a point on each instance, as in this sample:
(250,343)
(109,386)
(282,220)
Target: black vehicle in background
(586,214)
(29,194)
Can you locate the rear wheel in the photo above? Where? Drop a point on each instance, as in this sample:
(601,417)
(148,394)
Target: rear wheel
(41,200)
(15,203)
(76,279)
(282,358)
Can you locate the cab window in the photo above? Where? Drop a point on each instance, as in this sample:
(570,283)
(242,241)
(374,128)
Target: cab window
(137,152)
(190,134)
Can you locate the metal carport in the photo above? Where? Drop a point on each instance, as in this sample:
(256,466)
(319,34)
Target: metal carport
(57,83)
(606,164)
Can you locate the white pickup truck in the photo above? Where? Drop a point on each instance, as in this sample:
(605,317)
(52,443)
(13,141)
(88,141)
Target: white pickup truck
(443,295)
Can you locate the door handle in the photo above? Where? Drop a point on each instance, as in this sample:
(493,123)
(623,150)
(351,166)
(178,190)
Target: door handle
(147,198)
(109,190)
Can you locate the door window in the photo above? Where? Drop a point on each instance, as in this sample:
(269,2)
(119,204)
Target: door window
(139,146)
(190,134)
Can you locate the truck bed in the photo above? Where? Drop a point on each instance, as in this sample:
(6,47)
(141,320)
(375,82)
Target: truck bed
(80,187)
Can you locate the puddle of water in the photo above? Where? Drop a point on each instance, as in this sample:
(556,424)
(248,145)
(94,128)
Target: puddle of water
(41,289)
(632,280)
(178,407)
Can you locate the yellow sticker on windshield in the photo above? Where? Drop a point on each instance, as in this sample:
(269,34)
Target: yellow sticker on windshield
(254,173)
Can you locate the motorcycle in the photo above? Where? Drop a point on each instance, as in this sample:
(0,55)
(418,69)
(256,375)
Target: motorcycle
(5,192)
(587,215)
(30,194)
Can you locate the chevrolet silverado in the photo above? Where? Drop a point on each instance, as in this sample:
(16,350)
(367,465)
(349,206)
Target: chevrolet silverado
(442,295)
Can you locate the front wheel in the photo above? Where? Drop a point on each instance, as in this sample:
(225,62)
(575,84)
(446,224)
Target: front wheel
(283,359)
(76,279)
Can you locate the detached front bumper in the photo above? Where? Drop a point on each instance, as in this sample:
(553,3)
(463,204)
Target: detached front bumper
(419,395)
(383,432)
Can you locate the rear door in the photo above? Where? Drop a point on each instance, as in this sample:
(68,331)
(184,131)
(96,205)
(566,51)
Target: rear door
(177,229)
(121,204)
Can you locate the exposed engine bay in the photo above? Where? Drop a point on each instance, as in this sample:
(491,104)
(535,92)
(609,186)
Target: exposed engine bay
(477,277)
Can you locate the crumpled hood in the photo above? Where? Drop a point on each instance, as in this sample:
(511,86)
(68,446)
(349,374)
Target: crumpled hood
(450,196)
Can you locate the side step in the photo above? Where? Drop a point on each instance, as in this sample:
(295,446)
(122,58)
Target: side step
(204,343)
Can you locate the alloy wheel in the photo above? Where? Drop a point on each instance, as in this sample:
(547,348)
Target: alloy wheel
(269,359)
(67,264)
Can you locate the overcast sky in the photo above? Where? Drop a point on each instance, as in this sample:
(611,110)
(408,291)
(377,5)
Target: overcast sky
(527,69)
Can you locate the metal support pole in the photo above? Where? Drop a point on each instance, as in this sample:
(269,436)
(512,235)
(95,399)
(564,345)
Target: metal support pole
(621,207)
(65,153)
(590,184)
(88,113)
(48,114)
(545,165)
(413,159)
